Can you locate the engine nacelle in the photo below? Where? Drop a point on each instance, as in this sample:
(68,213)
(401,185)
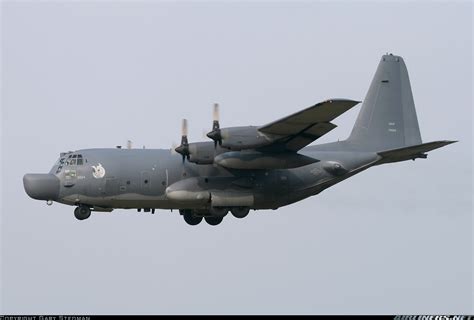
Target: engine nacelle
(241,138)
(201,152)
(254,160)
(334,168)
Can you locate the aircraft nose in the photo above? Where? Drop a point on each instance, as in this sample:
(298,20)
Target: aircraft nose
(41,186)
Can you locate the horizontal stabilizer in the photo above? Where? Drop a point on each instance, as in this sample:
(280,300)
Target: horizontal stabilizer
(412,152)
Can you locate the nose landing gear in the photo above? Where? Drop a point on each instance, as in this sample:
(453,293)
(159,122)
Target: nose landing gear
(82,212)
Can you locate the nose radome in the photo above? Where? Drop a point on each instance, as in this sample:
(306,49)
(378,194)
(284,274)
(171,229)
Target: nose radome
(41,186)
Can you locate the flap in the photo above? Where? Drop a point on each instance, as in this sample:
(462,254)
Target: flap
(299,141)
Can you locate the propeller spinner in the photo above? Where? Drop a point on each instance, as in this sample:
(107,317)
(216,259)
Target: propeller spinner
(215,134)
(183,148)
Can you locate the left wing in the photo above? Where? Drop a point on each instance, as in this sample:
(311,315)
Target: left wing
(303,127)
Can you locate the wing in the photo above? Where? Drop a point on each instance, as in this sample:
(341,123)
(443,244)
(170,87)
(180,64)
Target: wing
(303,127)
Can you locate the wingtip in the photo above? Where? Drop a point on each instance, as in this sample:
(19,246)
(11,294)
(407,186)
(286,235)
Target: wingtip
(355,102)
(450,141)
(340,100)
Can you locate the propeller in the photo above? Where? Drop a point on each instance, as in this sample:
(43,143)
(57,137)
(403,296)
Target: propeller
(215,134)
(183,148)
(174,145)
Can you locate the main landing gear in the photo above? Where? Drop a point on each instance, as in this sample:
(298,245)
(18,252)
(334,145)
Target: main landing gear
(82,212)
(240,212)
(214,221)
(213,216)
(192,219)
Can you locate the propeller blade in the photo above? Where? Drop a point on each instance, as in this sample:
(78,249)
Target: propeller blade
(184,127)
(215,113)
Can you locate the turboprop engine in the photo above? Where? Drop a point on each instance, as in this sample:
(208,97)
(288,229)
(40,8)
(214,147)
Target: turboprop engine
(255,160)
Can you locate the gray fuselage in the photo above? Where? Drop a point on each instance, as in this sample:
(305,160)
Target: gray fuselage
(243,168)
(142,178)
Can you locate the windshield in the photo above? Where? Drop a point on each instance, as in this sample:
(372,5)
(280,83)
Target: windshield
(59,164)
(68,160)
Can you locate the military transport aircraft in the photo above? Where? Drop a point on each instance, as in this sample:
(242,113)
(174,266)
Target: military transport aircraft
(244,168)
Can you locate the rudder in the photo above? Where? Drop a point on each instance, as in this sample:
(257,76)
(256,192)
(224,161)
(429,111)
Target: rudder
(387,119)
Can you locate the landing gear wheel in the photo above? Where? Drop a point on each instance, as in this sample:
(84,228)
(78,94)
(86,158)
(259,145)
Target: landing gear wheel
(214,221)
(240,212)
(191,219)
(82,212)
(218,211)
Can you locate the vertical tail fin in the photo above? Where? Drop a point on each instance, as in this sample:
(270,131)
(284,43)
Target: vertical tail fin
(387,119)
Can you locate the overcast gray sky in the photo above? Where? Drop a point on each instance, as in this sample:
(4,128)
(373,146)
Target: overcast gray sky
(394,239)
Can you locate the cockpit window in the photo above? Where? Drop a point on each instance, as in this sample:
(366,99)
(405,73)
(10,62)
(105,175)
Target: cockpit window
(69,160)
(60,164)
(75,159)
(60,161)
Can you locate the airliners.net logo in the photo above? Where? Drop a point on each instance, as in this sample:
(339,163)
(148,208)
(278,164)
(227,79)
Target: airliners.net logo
(434,318)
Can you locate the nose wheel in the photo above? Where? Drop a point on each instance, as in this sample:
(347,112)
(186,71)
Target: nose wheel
(82,212)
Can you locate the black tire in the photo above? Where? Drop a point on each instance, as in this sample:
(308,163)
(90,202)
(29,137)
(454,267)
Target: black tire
(82,212)
(218,211)
(214,221)
(192,219)
(240,212)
